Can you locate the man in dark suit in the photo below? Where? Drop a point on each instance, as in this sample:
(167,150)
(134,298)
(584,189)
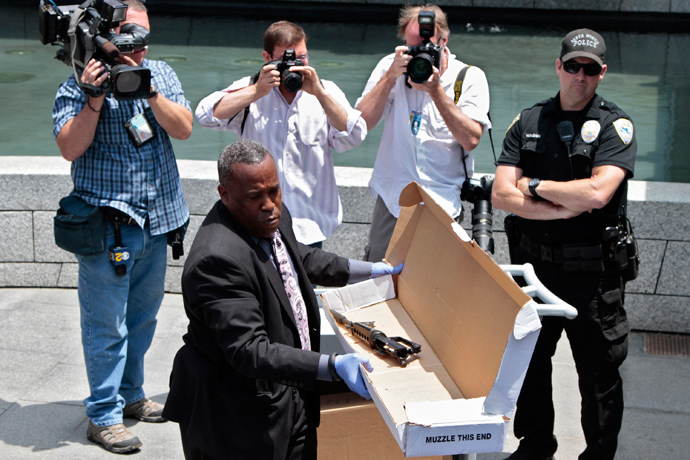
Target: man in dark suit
(244,385)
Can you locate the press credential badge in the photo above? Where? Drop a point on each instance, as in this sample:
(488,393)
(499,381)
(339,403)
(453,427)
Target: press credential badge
(139,129)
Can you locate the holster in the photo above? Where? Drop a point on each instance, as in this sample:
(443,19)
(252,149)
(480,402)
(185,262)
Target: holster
(622,249)
(176,240)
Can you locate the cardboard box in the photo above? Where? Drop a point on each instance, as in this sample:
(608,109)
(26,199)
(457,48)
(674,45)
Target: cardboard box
(352,429)
(476,326)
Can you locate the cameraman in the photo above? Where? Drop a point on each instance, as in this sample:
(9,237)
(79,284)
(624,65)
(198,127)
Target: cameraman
(298,128)
(141,191)
(427,137)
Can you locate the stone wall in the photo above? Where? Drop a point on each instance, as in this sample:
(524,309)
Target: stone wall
(30,188)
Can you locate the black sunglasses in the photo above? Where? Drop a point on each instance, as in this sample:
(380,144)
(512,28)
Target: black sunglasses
(574,67)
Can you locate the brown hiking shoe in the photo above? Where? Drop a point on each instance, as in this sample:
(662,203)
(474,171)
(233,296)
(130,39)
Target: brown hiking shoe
(115,438)
(145,410)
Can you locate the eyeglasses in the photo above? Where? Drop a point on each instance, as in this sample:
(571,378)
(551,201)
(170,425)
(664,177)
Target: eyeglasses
(302,57)
(591,69)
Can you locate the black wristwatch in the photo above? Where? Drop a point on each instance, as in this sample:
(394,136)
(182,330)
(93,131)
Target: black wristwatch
(154,91)
(533,184)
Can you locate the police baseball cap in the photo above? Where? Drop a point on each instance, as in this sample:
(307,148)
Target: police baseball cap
(583,43)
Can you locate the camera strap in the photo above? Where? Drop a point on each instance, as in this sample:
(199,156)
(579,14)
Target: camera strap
(253,80)
(458,83)
(77,16)
(71,32)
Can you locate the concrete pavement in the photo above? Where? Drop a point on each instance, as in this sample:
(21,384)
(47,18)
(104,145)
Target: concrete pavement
(42,384)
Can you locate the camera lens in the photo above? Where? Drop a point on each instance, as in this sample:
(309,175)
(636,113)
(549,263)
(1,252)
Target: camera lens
(130,82)
(292,81)
(482,225)
(420,68)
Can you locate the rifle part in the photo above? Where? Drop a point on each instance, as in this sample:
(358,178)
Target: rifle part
(398,347)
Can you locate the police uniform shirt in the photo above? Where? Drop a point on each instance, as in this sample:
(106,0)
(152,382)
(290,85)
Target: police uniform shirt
(603,136)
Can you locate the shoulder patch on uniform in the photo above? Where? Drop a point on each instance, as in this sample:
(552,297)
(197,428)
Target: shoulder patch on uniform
(624,128)
(590,131)
(514,121)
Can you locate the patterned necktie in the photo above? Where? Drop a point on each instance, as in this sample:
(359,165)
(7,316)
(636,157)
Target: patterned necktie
(292,289)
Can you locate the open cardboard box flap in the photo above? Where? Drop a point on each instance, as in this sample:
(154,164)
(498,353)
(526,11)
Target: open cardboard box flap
(476,326)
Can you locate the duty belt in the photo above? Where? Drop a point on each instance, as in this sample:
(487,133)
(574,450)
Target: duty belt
(583,257)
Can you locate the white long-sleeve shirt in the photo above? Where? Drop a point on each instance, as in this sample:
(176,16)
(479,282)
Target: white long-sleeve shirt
(300,138)
(432,157)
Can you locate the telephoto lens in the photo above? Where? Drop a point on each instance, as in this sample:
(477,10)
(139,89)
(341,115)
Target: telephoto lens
(482,225)
(482,213)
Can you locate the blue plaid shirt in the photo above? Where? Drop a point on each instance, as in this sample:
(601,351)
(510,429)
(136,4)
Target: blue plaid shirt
(142,182)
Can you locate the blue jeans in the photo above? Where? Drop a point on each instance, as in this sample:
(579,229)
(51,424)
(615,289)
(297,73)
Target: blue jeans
(118,319)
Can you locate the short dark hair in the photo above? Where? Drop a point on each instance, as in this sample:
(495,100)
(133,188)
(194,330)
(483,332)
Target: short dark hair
(247,152)
(283,33)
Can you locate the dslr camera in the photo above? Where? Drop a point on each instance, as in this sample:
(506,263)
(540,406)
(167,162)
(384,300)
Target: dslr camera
(427,55)
(84,31)
(291,80)
(478,192)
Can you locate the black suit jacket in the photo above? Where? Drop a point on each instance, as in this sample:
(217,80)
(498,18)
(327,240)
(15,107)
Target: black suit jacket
(232,382)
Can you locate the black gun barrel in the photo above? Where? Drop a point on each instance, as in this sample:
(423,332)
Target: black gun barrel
(341,319)
(398,347)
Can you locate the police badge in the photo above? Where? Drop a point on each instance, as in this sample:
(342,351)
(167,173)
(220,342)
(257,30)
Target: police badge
(624,128)
(590,131)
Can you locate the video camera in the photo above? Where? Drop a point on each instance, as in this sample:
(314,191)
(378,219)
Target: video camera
(85,33)
(478,192)
(427,55)
(291,80)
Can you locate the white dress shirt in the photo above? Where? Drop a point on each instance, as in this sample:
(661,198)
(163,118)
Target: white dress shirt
(300,138)
(432,157)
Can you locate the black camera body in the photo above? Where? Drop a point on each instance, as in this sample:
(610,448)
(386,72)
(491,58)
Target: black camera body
(88,36)
(478,192)
(291,80)
(132,38)
(427,55)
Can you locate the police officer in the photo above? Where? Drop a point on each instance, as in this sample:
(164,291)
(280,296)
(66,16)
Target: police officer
(563,172)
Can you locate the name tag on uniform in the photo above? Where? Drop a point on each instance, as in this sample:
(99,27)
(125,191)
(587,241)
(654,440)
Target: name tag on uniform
(139,129)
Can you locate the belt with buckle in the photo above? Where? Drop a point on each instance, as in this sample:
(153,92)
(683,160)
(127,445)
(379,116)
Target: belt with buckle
(116,216)
(585,257)
(543,252)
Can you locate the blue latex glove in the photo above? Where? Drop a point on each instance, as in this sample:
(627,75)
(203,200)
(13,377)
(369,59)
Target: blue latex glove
(347,367)
(382,268)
